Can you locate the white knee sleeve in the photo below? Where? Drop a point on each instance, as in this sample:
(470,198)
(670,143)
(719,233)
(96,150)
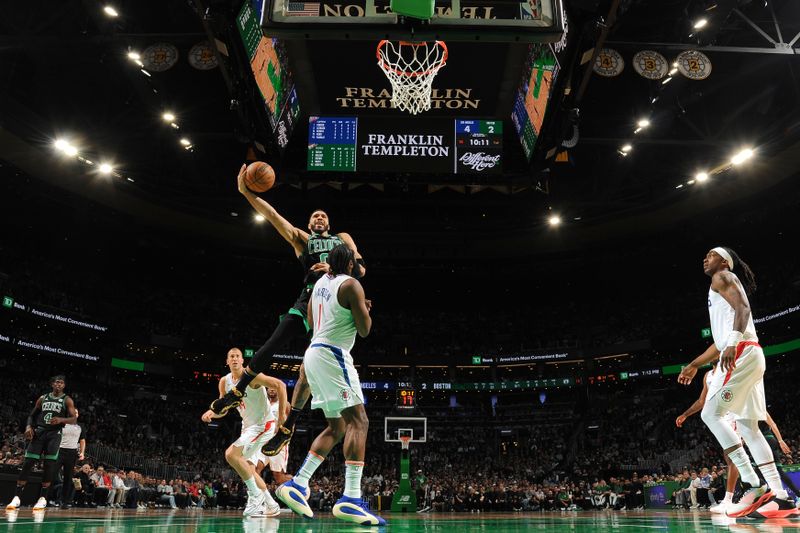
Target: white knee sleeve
(721,429)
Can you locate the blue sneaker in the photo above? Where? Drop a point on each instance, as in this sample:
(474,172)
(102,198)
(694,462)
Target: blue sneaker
(356,510)
(295,497)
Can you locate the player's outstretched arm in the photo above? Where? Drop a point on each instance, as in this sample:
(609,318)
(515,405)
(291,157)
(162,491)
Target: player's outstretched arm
(689,371)
(774,427)
(208,415)
(351,296)
(696,407)
(294,236)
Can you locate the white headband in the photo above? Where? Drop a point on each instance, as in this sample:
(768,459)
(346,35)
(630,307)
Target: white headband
(723,253)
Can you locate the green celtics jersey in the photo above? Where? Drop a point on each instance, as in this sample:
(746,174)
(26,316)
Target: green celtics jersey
(51,406)
(317,250)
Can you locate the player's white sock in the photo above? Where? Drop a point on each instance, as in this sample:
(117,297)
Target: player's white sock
(728,497)
(770,473)
(742,461)
(252,487)
(270,500)
(352,478)
(308,468)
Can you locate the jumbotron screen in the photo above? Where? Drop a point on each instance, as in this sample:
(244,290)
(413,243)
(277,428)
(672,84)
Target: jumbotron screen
(457,146)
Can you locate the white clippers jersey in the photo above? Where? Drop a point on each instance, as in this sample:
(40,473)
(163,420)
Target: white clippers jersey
(254,408)
(721,314)
(333,324)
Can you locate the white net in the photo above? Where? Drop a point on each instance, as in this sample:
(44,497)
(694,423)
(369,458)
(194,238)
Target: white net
(411,68)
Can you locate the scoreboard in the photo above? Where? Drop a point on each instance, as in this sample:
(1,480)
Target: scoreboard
(347,144)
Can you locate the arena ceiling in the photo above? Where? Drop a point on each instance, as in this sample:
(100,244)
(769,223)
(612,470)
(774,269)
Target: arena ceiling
(67,74)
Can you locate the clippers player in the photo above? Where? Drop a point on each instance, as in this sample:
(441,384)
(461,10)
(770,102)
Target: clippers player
(738,386)
(258,425)
(49,414)
(337,311)
(312,250)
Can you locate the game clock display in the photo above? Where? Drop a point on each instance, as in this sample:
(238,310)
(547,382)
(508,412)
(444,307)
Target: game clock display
(406,398)
(347,144)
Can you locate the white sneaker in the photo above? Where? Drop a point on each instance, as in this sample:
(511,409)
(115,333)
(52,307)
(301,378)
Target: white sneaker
(272,510)
(14,505)
(255,504)
(720,508)
(40,504)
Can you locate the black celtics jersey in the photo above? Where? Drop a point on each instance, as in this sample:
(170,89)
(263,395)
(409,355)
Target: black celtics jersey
(317,250)
(51,406)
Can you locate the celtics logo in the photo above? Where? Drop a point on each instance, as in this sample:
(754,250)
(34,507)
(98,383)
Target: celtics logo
(726,395)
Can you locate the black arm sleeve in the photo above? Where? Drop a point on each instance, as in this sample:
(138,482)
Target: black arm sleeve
(358,272)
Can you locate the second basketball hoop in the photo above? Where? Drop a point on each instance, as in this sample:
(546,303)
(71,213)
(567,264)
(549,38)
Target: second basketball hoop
(411,67)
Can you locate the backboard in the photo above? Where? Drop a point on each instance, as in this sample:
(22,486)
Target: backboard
(453,20)
(395,427)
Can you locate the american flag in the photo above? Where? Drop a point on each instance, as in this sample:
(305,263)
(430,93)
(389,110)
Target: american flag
(302,9)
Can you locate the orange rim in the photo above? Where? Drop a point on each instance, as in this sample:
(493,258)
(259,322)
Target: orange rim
(387,68)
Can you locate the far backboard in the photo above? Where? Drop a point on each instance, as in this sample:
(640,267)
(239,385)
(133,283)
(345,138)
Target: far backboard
(453,20)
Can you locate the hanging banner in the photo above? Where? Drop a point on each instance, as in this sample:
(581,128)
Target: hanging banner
(694,65)
(651,65)
(608,63)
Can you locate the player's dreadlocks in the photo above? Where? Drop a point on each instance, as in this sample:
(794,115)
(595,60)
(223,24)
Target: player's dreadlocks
(749,279)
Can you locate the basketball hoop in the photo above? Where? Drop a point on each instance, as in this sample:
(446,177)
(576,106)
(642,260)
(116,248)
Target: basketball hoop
(411,68)
(404,441)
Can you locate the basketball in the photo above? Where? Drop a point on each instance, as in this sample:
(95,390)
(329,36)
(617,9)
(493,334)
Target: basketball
(259,177)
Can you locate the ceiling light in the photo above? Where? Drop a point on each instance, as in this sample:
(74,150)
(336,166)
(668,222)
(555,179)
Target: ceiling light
(701,176)
(675,64)
(146,73)
(690,182)
(71,150)
(110,11)
(61,144)
(134,55)
(186,142)
(637,130)
(700,24)
(259,218)
(679,186)
(105,168)
(673,71)
(168,117)
(627,148)
(175,126)
(129,179)
(654,100)
(666,81)
(742,156)
(643,123)
(554,220)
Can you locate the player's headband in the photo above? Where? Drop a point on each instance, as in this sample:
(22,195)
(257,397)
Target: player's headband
(723,253)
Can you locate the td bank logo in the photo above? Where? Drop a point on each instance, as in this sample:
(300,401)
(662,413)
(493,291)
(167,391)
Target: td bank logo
(8,301)
(476,359)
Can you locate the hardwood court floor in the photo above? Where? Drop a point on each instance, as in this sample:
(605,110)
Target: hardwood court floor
(158,521)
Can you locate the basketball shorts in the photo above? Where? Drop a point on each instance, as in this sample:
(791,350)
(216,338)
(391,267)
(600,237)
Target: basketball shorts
(279,463)
(741,390)
(253,438)
(300,306)
(332,378)
(44,445)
